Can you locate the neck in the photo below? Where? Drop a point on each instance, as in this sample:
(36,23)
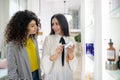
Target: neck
(28,36)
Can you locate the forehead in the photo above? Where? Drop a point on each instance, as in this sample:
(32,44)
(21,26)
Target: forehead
(54,20)
(32,22)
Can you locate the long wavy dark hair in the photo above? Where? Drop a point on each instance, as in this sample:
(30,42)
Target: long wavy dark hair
(63,24)
(16,29)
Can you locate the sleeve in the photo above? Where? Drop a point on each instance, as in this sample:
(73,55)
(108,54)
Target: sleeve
(46,63)
(74,62)
(11,62)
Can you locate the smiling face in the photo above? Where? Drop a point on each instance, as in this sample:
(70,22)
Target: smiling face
(56,27)
(32,27)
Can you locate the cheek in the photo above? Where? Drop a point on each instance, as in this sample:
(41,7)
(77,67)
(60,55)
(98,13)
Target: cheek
(59,28)
(53,28)
(56,29)
(31,31)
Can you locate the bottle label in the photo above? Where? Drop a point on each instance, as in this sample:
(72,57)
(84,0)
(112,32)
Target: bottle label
(110,54)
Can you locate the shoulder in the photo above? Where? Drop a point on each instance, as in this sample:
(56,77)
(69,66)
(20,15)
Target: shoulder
(11,45)
(11,48)
(51,37)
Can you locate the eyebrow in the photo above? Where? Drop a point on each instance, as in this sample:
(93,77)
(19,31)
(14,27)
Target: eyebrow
(32,24)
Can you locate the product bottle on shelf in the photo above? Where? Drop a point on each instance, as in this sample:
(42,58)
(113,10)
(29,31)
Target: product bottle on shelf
(118,62)
(111,52)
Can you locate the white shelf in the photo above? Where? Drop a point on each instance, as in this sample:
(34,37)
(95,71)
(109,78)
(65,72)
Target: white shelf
(111,75)
(3,74)
(75,30)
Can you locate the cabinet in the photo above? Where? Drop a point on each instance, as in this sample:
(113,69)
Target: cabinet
(111,14)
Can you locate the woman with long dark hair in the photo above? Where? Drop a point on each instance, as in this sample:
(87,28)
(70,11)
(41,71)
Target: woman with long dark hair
(59,60)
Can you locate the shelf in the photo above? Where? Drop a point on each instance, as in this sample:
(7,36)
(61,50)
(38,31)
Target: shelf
(3,74)
(75,30)
(111,75)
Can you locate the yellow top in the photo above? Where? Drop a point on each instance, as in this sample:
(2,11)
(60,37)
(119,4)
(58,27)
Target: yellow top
(31,51)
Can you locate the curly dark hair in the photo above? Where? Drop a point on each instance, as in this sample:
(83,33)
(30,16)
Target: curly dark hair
(16,29)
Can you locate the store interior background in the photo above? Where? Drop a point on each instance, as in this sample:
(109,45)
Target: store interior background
(99,21)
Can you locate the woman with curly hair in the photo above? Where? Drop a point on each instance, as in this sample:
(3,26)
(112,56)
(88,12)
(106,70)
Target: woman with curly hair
(21,46)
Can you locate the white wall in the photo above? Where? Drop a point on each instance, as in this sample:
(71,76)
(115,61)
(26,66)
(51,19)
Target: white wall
(4,17)
(48,9)
(35,6)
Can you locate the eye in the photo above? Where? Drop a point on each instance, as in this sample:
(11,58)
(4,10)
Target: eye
(52,24)
(34,25)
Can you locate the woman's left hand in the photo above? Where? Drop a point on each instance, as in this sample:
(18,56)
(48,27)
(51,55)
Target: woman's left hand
(70,51)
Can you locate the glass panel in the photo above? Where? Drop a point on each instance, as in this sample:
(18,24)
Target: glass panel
(89,39)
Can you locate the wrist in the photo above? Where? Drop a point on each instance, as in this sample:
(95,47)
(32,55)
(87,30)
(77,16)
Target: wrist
(54,57)
(71,56)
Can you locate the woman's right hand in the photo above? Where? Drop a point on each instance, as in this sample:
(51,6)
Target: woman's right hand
(58,51)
